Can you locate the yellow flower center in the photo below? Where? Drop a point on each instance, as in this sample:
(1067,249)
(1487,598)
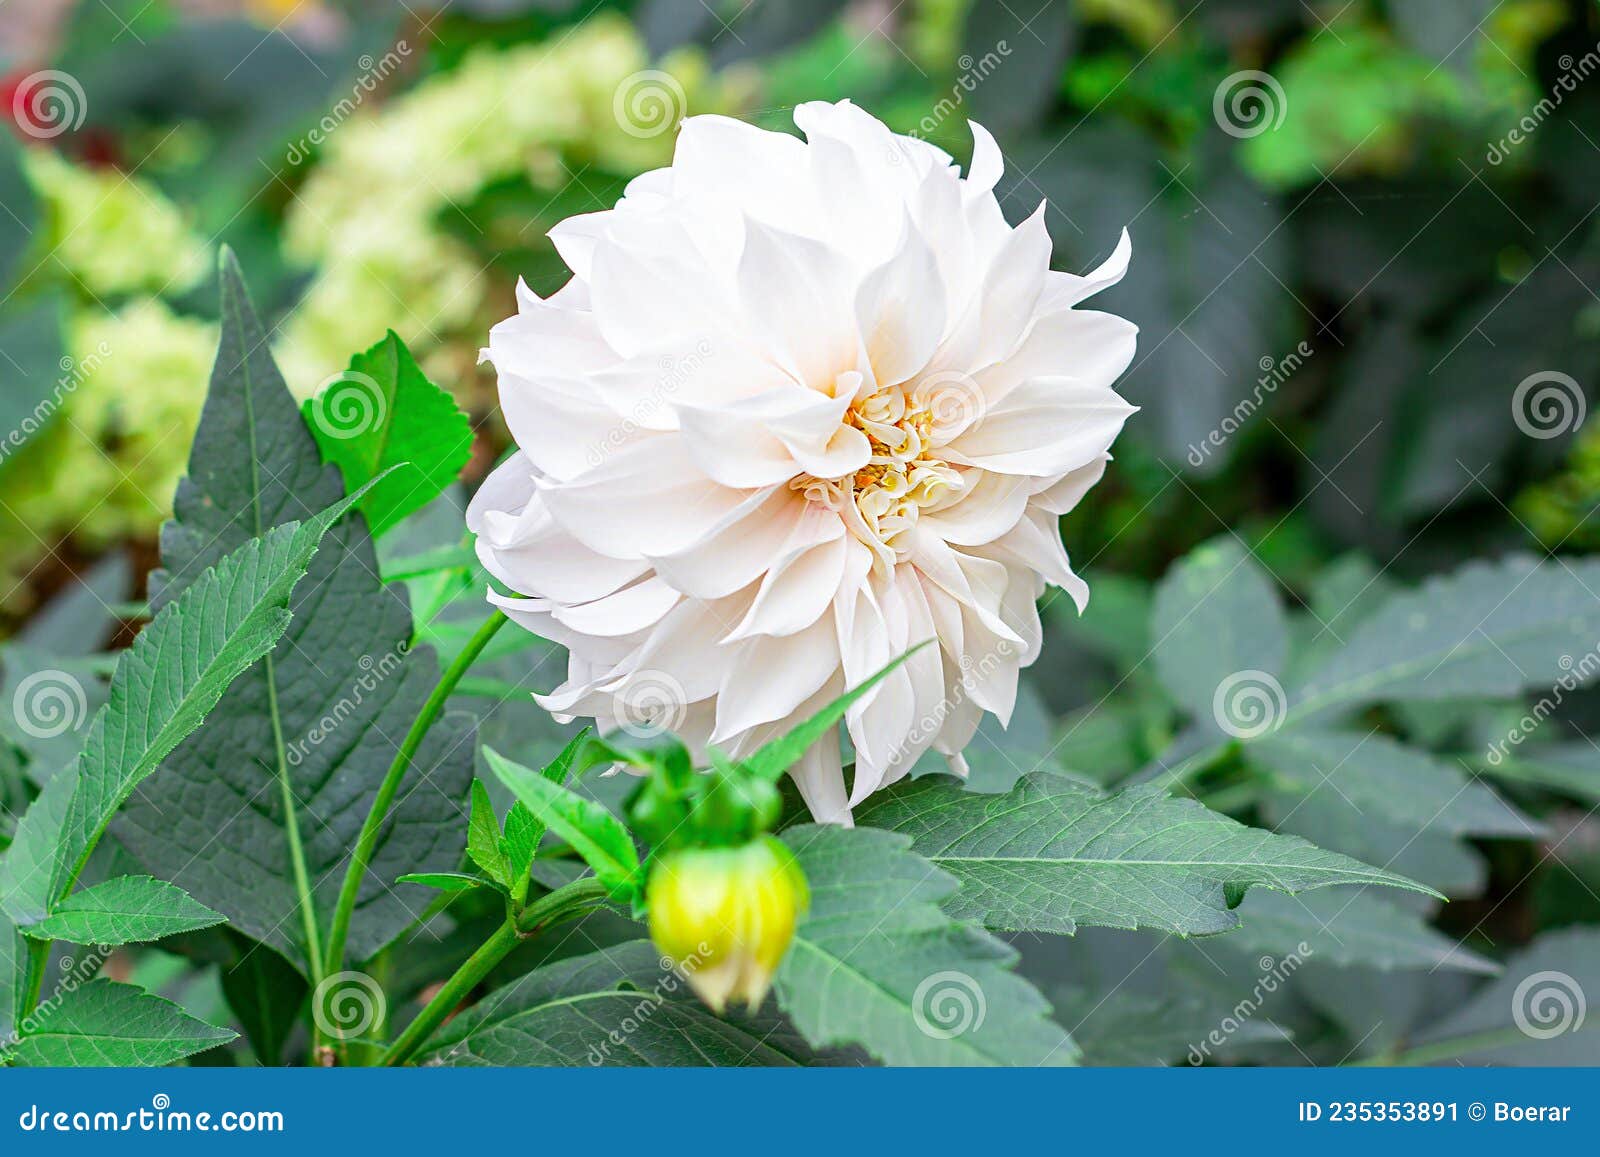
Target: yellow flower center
(881,502)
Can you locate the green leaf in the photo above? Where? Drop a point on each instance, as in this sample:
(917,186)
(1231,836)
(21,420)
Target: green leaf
(383,411)
(124,910)
(106,1024)
(614,1007)
(483,836)
(1535,1013)
(594,833)
(266,994)
(1488,630)
(773,759)
(448,881)
(1216,615)
(1339,926)
(165,684)
(1054,854)
(1377,774)
(273,788)
(877,963)
(523,831)
(1124,1028)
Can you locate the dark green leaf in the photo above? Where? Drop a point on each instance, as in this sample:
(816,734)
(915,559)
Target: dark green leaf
(878,964)
(1055,854)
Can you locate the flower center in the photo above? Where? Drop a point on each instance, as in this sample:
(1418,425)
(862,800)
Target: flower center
(880,502)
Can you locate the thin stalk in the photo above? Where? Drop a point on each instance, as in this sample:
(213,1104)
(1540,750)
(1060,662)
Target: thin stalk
(367,841)
(569,900)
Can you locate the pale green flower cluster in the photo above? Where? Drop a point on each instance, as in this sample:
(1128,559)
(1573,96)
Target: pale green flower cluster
(114,428)
(106,465)
(112,233)
(368,218)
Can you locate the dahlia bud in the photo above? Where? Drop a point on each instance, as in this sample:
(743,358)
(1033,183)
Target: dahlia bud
(725,915)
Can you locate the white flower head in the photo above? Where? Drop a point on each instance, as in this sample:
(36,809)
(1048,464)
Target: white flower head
(803,405)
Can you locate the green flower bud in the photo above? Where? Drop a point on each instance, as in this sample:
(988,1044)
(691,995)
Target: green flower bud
(725,916)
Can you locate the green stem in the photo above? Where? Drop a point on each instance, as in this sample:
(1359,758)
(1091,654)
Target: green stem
(569,900)
(367,841)
(38,959)
(1448,1049)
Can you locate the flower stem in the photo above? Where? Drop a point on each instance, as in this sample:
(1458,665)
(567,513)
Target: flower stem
(367,841)
(568,900)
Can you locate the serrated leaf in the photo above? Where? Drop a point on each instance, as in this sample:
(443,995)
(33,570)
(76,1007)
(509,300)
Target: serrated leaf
(448,881)
(877,963)
(1123,1028)
(1488,630)
(106,1024)
(1339,926)
(293,755)
(1375,773)
(483,836)
(594,833)
(1216,614)
(523,831)
(614,1007)
(383,411)
(1055,854)
(178,668)
(124,910)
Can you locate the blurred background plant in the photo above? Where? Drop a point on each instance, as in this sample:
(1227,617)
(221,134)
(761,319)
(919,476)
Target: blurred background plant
(1366,267)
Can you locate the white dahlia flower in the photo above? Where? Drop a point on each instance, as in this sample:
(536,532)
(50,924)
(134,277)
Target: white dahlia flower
(802,406)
